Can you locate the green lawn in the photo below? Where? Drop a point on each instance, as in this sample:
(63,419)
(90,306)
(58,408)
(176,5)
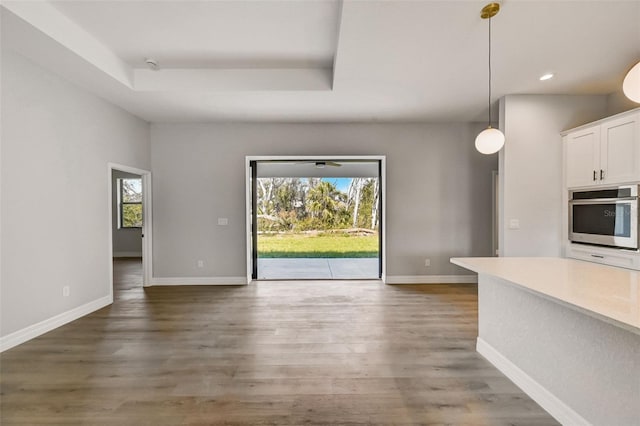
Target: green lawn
(322,245)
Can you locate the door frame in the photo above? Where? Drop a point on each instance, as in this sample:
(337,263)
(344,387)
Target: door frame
(495,208)
(382,159)
(147,223)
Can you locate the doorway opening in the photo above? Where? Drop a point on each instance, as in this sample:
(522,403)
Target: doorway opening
(316,218)
(129,224)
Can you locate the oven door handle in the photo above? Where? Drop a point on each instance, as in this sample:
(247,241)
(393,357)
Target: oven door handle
(604,200)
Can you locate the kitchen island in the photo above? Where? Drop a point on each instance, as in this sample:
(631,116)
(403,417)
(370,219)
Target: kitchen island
(566,331)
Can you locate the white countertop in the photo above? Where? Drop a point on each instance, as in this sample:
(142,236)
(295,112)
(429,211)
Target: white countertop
(611,293)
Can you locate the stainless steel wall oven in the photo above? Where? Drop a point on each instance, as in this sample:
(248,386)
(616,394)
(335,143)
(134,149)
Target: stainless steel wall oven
(605,216)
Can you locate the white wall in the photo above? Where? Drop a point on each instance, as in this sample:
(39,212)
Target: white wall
(56,143)
(531,168)
(438,190)
(127,242)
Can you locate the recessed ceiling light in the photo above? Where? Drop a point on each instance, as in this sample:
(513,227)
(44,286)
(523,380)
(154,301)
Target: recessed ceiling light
(547,76)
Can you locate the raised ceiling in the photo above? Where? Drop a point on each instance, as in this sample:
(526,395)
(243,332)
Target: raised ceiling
(212,34)
(324,60)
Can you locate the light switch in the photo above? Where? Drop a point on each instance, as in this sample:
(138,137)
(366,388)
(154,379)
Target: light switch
(514,224)
(223,221)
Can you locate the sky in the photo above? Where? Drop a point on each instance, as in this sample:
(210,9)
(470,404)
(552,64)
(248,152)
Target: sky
(341,183)
(135,184)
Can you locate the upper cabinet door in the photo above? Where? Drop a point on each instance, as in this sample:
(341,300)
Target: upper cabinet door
(583,157)
(619,150)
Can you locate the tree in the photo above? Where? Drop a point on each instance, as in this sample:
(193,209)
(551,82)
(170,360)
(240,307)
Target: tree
(313,203)
(354,194)
(325,203)
(375,216)
(265,188)
(363,196)
(290,196)
(131,203)
(278,195)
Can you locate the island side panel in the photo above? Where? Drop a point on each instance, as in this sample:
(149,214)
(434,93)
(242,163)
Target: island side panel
(593,367)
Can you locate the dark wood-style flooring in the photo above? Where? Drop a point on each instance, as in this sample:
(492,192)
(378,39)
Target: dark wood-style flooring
(338,352)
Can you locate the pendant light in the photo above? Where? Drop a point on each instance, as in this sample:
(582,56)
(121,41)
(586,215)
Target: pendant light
(631,84)
(490,140)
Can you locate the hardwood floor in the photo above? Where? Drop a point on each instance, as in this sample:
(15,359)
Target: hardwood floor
(269,353)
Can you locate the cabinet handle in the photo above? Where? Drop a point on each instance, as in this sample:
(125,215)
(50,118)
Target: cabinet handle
(598,256)
(601,174)
(594,175)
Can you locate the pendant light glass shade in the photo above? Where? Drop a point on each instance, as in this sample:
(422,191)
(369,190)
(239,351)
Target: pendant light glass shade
(631,84)
(489,141)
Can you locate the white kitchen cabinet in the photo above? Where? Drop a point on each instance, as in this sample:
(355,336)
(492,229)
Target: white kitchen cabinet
(606,255)
(604,153)
(583,157)
(620,150)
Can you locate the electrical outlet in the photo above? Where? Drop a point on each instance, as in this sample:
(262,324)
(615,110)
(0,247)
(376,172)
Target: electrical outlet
(200,263)
(65,291)
(514,224)
(427,262)
(223,221)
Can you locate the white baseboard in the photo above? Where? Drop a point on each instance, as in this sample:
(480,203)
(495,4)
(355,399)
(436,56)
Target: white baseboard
(552,404)
(431,279)
(198,281)
(35,330)
(127,254)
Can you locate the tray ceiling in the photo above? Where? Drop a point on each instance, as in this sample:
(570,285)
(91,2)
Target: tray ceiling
(324,60)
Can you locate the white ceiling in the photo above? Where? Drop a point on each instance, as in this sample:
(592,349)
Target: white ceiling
(324,60)
(212,34)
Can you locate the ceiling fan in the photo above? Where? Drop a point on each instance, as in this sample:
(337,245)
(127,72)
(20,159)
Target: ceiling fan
(320,164)
(323,164)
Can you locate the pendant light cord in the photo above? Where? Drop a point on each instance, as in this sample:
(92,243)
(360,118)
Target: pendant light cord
(489,72)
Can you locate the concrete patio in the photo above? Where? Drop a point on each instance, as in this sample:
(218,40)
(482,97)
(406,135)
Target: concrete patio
(315,268)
